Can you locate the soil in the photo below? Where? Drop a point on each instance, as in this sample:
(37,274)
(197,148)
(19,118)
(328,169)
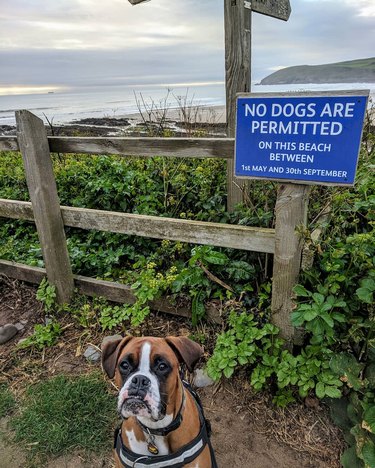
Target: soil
(248,431)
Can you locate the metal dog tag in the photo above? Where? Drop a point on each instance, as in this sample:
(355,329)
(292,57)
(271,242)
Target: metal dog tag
(151,447)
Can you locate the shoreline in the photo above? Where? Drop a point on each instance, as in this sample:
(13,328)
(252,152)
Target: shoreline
(179,121)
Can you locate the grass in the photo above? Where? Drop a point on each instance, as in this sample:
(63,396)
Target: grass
(66,413)
(7,401)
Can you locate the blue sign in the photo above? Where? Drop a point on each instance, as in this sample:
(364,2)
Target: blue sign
(302,137)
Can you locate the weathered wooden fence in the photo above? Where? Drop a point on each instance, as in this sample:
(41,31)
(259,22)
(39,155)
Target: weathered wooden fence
(50,218)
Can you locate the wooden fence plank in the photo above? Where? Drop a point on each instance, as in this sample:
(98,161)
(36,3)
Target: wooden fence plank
(16,209)
(176,147)
(171,147)
(290,212)
(196,232)
(112,291)
(33,143)
(22,272)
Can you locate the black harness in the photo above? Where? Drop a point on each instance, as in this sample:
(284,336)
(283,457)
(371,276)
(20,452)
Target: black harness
(186,454)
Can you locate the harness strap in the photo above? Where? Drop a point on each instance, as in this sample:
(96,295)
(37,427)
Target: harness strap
(182,457)
(186,454)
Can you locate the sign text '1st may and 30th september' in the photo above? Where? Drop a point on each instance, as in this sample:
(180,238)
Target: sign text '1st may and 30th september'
(299,137)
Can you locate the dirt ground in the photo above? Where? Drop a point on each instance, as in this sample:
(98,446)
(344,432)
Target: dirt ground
(248,431)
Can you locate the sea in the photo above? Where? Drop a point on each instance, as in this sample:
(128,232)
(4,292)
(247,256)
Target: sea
(69,106)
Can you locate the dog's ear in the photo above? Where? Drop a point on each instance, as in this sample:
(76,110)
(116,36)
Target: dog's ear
(187,351)
(110,353)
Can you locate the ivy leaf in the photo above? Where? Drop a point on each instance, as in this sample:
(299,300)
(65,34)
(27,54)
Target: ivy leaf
(297,318)
(216,258)
(332,392)
(347,367)
(240,270)
(368,422)
(366,291)
(368,453)
(349,459)
(301,291)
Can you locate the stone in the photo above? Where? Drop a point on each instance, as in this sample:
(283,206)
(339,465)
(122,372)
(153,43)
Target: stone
(7,332)
(201,379)
(20,326)
(48,319)
(92,354)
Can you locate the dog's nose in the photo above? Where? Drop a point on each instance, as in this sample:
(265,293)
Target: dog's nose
(141,381)
(139,384)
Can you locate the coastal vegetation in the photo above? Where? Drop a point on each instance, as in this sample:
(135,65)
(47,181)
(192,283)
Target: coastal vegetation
(353,71)
(335,359)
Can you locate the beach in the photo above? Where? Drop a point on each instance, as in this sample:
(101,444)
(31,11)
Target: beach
(112,111)
(209,119)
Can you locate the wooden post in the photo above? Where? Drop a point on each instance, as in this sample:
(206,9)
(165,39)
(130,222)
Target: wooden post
(33,144)
(290,212)
(237,20)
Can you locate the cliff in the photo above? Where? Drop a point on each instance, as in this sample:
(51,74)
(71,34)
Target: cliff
(354,71)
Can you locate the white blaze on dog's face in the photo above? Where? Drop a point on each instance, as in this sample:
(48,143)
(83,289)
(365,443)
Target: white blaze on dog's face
(147,371)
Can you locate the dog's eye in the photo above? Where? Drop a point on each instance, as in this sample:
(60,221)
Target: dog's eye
(124,366)
(162,367)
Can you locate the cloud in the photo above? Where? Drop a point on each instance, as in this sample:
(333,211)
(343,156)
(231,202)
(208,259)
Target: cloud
(87,42)
(110,25)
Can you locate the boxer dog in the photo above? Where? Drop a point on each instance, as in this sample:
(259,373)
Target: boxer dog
(163,422)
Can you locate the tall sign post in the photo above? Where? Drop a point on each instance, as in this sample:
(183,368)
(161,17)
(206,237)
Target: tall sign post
(237,24)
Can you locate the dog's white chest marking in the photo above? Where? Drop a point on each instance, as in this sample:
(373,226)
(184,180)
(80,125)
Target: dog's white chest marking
(140,446)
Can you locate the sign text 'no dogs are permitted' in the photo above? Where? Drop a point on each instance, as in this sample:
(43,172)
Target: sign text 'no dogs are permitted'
(300,137)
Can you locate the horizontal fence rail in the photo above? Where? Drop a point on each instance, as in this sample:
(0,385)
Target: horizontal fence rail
(197,232)
(115,292)
(172,147)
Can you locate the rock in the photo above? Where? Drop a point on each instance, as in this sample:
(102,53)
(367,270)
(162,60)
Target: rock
(7,332)
(201,379)
(92,354)
(20,326)
(48,319)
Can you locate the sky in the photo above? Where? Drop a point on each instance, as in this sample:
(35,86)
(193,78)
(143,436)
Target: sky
(69,44)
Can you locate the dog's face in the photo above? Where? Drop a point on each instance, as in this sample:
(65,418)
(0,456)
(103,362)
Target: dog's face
(146,371)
